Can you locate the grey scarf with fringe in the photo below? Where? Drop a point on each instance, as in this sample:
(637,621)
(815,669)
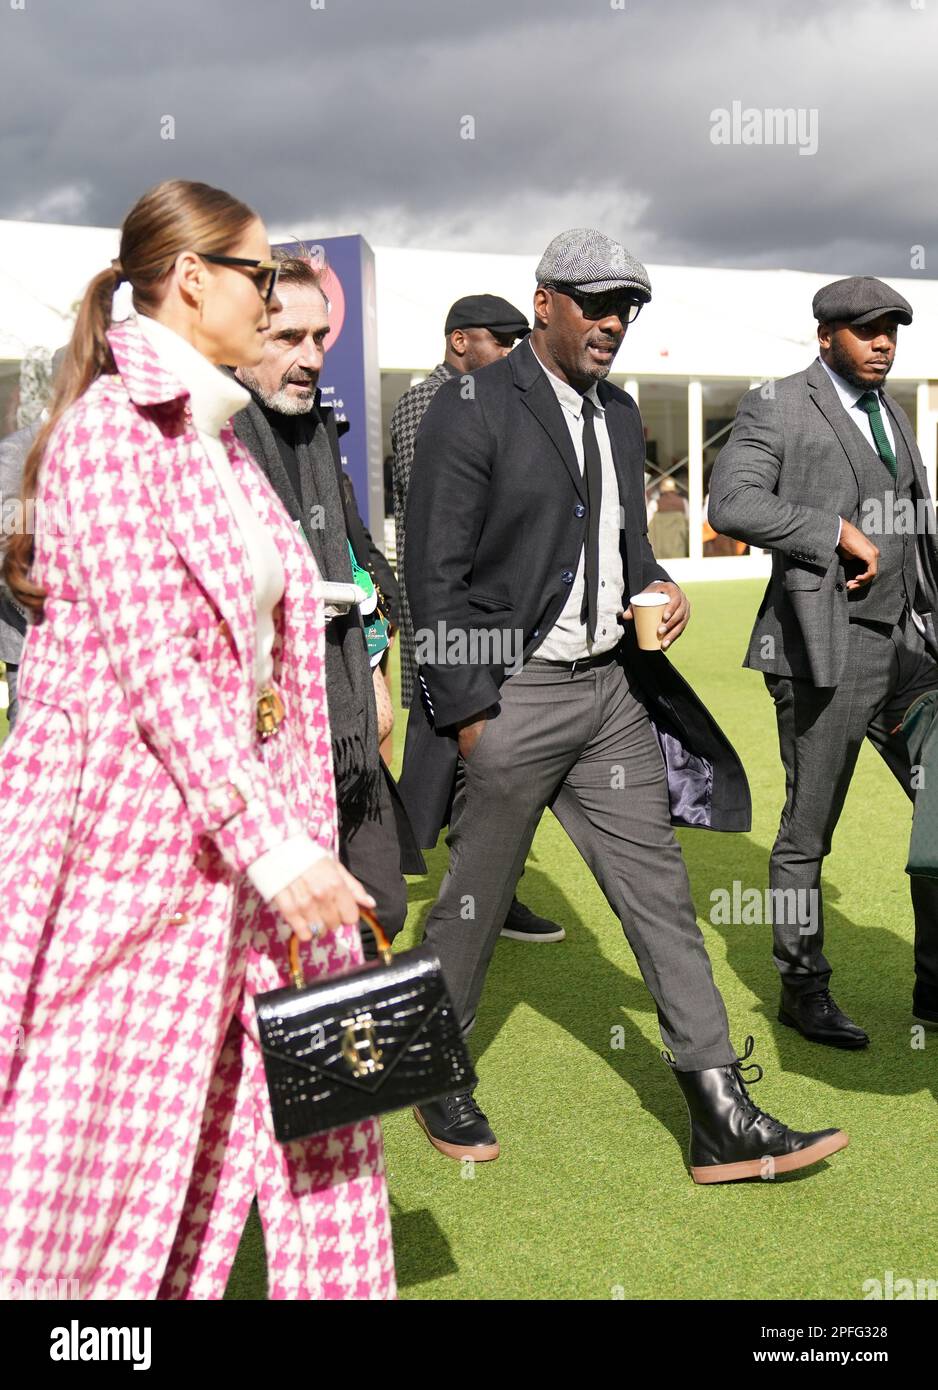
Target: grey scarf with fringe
(352,714)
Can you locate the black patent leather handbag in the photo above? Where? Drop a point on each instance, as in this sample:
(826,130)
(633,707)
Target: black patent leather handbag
(359,1043)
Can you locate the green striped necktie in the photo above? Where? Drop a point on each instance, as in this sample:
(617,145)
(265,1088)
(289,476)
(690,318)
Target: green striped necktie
(869,402)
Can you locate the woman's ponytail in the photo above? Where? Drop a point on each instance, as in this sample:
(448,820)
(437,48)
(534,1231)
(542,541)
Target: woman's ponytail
(172,217)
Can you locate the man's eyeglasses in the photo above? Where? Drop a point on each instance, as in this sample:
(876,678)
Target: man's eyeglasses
(625,305)
(266,278)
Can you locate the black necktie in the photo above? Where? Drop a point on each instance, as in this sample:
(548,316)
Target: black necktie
(593,469)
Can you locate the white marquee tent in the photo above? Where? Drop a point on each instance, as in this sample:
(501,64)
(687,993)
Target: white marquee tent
(734,323)
(702,324)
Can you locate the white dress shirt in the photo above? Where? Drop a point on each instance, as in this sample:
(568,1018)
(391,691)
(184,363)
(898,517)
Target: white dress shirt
(849,395)
(567,639)
(213,398)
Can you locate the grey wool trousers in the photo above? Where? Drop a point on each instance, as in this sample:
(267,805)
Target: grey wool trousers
(820,732)
(583,745)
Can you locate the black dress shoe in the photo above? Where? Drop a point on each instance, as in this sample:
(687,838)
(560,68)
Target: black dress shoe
(925,1003)
(731,1138)
(457,1127)
(817,1017)
(522,924)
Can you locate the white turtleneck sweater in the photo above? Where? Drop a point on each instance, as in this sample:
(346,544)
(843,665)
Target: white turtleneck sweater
(213,398)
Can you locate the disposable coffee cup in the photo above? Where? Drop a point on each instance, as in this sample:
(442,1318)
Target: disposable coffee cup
(646,611)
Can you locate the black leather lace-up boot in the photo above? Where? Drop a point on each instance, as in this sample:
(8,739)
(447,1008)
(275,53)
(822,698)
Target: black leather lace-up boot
(731,1138)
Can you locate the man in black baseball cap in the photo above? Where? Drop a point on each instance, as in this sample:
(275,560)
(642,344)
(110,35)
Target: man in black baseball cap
(486,327)
(479,329)
(487,311)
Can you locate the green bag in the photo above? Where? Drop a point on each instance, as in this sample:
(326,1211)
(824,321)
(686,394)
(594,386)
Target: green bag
(376,625)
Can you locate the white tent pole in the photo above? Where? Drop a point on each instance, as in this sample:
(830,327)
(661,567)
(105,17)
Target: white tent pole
(695,467)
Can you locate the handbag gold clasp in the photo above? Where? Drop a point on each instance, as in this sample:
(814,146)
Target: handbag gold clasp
(270,711)
(360,1046)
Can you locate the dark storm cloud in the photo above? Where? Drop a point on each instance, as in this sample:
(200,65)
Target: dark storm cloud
(347,118)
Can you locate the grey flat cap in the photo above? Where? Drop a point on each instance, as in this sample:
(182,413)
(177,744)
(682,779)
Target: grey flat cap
(593,263)
(859,299)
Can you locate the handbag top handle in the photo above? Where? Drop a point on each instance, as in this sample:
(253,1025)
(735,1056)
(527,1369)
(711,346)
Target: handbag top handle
(384,946)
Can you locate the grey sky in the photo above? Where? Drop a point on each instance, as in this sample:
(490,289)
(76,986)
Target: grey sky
(347,119)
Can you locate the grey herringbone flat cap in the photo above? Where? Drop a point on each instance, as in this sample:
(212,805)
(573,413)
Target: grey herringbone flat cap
(592,262)
(859,299)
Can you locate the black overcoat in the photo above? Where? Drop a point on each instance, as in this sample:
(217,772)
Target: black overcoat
(498,503)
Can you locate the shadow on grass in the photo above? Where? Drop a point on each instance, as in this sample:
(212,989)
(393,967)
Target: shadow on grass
(422,1252)
(576,987)
(585,994)
(872,979)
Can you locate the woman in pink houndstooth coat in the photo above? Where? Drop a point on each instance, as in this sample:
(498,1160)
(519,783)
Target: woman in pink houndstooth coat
(157,844)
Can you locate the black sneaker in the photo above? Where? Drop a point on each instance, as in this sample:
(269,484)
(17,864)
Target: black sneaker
(457,1127)
(925,1004)
(522,924)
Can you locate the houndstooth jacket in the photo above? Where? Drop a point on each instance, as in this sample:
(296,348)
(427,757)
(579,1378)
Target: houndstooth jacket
(135,1126)
(405,420)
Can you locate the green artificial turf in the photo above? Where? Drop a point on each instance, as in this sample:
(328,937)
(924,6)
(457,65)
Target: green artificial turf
(591,1197)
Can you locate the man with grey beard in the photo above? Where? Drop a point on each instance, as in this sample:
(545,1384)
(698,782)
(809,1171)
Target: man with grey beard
(295,441)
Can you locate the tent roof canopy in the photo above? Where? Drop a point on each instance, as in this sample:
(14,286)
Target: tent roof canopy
(748,324)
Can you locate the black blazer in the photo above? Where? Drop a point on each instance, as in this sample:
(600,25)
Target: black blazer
(496,521)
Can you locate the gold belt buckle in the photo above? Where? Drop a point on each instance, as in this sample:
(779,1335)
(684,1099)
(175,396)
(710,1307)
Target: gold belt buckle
(270,711)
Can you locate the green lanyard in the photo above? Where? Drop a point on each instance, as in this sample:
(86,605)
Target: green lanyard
(375,624)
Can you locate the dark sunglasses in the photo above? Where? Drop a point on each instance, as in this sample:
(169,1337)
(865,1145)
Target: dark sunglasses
(265,281)
(625,305)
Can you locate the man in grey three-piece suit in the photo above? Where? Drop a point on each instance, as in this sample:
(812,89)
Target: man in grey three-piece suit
(823,469)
